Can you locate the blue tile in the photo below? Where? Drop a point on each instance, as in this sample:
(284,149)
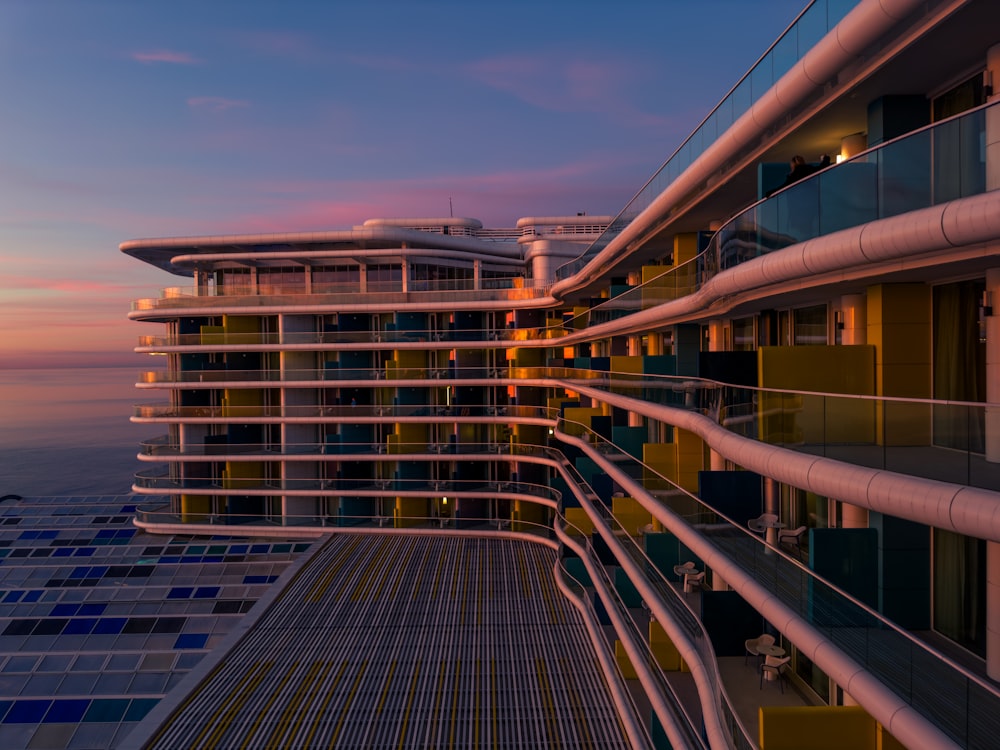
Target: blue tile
(191,640)
(27,712)
(80,626)
(106,709)
(67,711)
(110,626)
(139,708)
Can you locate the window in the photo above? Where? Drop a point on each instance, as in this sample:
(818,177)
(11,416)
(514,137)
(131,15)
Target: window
(810,326)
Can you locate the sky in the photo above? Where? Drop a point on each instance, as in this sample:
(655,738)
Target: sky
(125,119)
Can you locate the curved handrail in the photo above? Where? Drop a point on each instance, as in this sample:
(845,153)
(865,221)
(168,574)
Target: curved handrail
(844,195)
(753,85)
(764,564)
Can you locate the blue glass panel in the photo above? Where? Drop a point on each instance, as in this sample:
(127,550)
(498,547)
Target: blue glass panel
(27,712)
(239,549)
(139,708)
(109,626)
(32,596)
(84,551)
(191,640)
(180,592)
(80,626)
(48,534)
(28,535)
(105,534)
(107,709)
(213,559)
(206,592)
(258,549)
(63,552)
(64,610)
(80,572)
(13,596)
(167,559)
(92,610)
(4,707)
(68,711)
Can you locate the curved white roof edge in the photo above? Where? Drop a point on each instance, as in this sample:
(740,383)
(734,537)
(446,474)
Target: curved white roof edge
(298,308)
(150,250)
(352,252)
(571,221)
(868,21)
(971,511)
(903,721)
(449,221)
(960,223)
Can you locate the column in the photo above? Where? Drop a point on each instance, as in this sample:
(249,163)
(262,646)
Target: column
(993,610)
(717,335)
(853,311)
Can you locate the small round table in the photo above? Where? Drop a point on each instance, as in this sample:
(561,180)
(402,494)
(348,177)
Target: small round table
(771,655)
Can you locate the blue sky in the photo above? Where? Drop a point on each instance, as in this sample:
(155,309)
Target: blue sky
(127,118)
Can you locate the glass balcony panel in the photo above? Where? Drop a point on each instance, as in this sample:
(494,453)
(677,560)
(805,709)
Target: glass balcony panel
(850,195)
(784,55)
(813,25)
(904,182)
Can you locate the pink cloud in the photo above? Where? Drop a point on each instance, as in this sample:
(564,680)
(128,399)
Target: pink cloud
(216,103)
(165,56)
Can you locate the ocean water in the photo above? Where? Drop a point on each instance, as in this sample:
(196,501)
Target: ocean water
(67,431)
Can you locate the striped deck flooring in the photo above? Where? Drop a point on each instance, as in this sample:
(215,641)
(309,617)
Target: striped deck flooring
(408,642)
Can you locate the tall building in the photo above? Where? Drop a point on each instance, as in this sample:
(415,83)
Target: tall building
(785,374)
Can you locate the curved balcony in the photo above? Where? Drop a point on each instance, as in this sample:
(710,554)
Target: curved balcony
(933,439)
(376,377)
(333,340)
(342,296)
(429,413)
(912,669)
(163,449)
(802,35)
(932,166)
(155,483)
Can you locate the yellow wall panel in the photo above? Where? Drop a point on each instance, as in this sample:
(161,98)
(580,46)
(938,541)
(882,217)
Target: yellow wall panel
(579,519)
(790,418)
(577,419)
(630,514)
(624,663)
(195,507)
(666,654)
(410,511)
(816,728)
(627,364)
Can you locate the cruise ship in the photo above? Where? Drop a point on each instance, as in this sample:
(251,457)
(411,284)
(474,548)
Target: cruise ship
(743,437)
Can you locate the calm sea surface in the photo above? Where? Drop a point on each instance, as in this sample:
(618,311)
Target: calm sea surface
(67,432)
